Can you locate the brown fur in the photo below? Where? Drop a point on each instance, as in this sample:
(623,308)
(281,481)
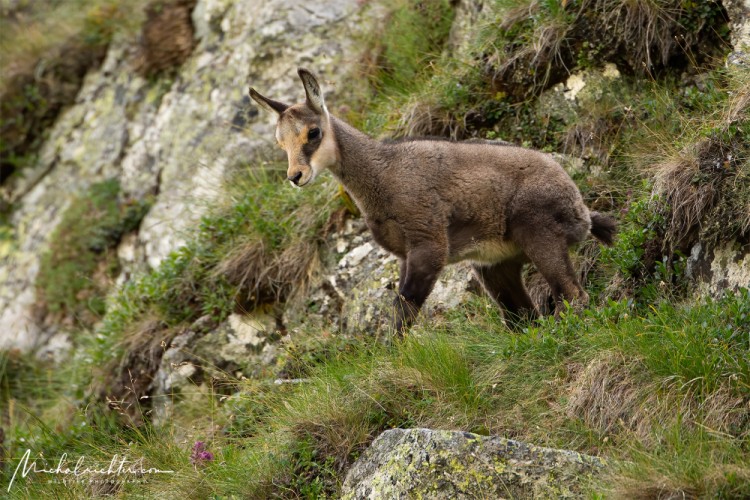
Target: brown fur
(434,202)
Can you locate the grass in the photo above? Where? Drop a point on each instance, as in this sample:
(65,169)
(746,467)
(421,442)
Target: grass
(400,58)
(662,393)
(657,383)
(258,249)
(81,262)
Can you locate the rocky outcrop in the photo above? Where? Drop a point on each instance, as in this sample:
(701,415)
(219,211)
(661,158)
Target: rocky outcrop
(424,463)
(724,267)
(197,357)
(173,139)
(359,285)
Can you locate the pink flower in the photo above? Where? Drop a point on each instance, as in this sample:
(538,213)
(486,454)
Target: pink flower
(200,455)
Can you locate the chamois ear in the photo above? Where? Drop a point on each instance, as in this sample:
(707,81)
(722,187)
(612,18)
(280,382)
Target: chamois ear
(312,91)
(268,104)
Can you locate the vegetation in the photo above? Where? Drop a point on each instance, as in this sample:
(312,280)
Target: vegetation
(257,250)
(77,270)
(661,393)
(47,49)
(651,377)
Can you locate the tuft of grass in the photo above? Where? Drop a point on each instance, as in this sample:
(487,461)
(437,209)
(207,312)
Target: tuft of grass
(401,57)
(706,179)
(81,264)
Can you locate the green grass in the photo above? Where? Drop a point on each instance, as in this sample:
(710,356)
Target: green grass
(548,385)
(81,262)
(401,58)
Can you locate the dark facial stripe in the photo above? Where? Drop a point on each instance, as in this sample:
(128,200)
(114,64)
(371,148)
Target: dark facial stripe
(308,149)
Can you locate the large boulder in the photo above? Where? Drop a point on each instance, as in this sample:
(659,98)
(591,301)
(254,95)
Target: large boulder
(424,463)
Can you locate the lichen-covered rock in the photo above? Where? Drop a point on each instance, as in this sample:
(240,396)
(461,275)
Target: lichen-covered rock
(243,346)
(739,19)
(424,463)
(360,282)
(724,267)
(468,15)
(174,139)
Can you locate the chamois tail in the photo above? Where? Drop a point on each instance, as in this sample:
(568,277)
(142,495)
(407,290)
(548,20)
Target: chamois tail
(603,227)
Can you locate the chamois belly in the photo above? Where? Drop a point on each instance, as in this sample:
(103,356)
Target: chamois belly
(486,252)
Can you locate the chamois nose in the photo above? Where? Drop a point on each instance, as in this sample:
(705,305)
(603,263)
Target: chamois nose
(295,178)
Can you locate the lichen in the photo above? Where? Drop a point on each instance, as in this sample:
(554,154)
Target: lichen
(464,465)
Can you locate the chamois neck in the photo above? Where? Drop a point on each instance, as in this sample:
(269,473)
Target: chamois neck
(360,159)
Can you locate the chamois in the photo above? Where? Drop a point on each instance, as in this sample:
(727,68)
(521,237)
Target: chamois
(434,202)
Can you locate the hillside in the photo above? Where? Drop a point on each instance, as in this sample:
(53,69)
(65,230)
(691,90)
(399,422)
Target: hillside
(169,300)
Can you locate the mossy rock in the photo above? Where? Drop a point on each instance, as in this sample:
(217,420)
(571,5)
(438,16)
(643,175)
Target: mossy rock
(424,463)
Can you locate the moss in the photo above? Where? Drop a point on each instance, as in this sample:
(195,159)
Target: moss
(77,269)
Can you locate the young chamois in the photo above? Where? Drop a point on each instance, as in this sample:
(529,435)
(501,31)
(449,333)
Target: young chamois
(436,202)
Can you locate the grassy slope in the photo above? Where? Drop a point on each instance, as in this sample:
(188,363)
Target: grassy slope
(649,377)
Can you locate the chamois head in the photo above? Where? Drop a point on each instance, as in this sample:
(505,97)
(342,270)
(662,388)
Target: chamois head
(303,131)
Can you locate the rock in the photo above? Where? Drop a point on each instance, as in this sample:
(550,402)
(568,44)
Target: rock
(368,303)
(174,138)
(739,20)
(725,267)
(243,346)
(372,288)
(468,15)
(359,283)
(424,463)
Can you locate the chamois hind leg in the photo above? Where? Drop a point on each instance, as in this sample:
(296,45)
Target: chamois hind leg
(419,274)
(502,282)
(549,253)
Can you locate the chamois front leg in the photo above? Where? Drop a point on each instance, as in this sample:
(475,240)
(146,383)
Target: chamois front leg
(419,272)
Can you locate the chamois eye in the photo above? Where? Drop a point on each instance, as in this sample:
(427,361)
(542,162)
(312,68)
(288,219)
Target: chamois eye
(313,134)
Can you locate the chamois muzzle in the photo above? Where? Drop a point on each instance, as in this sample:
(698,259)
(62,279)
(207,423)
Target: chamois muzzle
(295,178)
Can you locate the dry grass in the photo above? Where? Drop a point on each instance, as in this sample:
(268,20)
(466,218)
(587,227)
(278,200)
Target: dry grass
(422,118)
(689,194)
(126,387)
(166,38)
(646,27)
(523,69)
(264,276)
(706,183)
(608,397)
(650,484)
(610,394)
